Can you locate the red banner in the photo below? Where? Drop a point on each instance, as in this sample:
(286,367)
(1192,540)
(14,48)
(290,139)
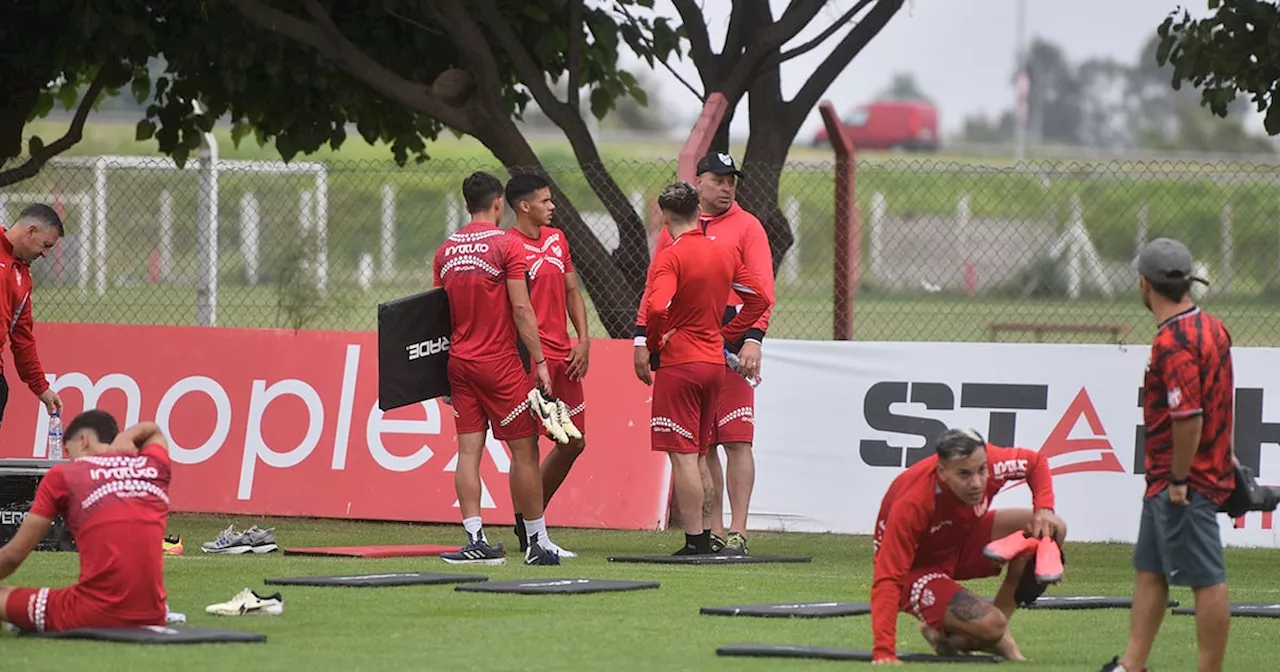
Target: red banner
(277,422)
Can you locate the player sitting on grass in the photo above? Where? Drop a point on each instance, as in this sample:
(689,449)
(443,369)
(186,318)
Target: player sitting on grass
(690,282)
(114,493)
(935,529)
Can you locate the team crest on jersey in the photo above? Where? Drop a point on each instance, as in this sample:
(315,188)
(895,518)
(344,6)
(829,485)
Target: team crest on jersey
(1175,397)
(980,510)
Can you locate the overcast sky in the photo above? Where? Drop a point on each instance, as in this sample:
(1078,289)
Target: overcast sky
(961,51)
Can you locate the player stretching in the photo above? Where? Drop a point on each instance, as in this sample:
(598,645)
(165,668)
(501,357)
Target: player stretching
(553,291)
(114,494)
(726,223)
(934,529)
(689,283)
(483,272)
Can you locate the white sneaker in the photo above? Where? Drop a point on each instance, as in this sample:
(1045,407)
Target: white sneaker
(248,603)
(551,546)
(545,412)
(566,420)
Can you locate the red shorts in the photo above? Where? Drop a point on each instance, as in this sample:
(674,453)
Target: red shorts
(927,591)
(59,609)
(493,394)
(566,390)
(736,410)
(684,404)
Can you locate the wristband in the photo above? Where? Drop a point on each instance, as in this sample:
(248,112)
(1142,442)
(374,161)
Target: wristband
(540,361)
(1173,480)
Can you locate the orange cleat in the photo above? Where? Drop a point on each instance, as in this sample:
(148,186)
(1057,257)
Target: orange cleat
(172,545)
(1013,546)
(1049,562)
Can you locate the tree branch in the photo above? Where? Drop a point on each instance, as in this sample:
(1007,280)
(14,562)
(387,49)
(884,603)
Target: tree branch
(574,69)
(799,13)
(527,68)
(831,30)
(760,42)
(701,97)
(74,134)
(695,28)
(465,34)
(334,46)
(839,58)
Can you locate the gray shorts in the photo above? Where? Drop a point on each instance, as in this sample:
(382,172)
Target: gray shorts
(1182,543)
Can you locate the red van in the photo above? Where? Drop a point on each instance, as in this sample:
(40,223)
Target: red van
(890,124)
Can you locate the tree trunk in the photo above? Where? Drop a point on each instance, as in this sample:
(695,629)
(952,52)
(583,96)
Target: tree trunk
(766,154)
(16,107)
(614,282)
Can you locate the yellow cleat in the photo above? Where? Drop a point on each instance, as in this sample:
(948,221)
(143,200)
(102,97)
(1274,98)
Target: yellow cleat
(172,545)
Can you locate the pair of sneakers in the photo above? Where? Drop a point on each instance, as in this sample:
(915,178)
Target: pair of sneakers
(1046,555)
(233,542)
(523,535)
(554,416)
(478,551)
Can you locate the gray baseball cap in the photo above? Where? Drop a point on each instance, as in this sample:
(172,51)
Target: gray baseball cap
(1166,260)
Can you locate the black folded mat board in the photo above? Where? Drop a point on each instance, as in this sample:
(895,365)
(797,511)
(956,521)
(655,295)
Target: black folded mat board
(154,635)
(1084,602)
(706,559)
(792,610)
(556,586)
(377,580)
(833,653)
(1242,610)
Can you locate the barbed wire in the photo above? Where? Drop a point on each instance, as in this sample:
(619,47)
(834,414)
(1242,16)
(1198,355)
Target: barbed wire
(948,251)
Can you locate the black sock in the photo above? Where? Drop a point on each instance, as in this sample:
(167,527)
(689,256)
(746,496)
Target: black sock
(519,521)
(699,542)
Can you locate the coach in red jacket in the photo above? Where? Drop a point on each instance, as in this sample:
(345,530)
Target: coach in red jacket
(36,232)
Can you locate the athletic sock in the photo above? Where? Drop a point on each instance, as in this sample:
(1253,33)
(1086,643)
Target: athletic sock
(536,528)
(699,542)
(475,528)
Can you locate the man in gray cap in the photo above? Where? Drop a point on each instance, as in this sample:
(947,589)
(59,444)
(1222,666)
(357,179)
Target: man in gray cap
(1188,401)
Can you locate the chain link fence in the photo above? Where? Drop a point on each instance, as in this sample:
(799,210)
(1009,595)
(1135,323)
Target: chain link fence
(947,251)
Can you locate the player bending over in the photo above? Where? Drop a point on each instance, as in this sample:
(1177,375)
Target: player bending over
(114,494)
(935,529)
(483,273)
(553,291)
(690,282)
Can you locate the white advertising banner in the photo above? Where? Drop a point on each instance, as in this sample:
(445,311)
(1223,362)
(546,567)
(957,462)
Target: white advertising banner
(837,421)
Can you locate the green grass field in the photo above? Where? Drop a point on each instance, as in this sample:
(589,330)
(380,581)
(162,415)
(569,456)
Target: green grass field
(434,627)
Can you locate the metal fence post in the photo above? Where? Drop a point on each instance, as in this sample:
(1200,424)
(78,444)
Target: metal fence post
(207,234)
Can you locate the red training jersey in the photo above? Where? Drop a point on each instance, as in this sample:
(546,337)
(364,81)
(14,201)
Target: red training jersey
(740,232)
(1189,374)
(922,524)
(115,506)
(15,310)
(474,265)
(548,261)
(689,282)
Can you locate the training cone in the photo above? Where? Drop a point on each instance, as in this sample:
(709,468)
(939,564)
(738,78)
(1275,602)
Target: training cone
(1049,562)
(1015,545)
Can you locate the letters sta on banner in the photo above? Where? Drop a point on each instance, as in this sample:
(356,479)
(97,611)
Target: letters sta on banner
(277,422)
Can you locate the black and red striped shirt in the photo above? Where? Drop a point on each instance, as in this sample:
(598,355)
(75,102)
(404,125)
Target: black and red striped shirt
(1189,374)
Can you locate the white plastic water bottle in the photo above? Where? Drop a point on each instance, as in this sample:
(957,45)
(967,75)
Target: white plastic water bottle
(732,360)
(55,436)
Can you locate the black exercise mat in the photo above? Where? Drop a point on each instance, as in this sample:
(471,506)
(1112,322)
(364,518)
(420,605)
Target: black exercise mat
(833,653)
(154,634)
(1242,609)
(1084,602)
(376,580)
(709,559)
(792,610)
(557,586)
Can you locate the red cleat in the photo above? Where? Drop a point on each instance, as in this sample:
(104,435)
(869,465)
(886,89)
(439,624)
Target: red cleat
(1015,545)
(1049,562)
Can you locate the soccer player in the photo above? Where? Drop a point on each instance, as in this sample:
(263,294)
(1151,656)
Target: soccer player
(935,528)
(1188,401)
(483,273)
(689,283)
(114,493)
(554,294)
(727,224)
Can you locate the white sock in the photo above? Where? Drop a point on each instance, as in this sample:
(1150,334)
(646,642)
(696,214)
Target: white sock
(536,528)
(474,527)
